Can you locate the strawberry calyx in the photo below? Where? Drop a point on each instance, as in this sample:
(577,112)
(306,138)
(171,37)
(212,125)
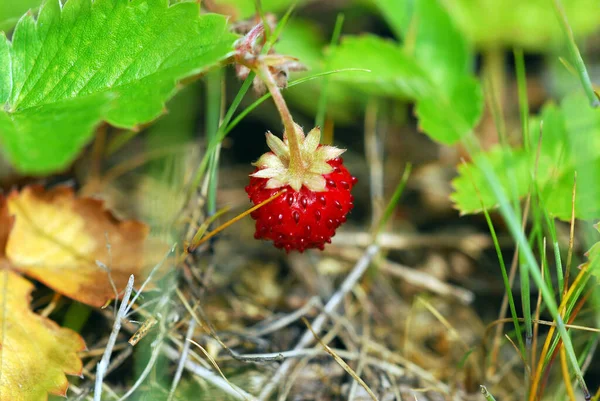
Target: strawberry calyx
(307,168)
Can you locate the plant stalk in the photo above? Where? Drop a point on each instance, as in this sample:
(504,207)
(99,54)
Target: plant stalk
(296,164)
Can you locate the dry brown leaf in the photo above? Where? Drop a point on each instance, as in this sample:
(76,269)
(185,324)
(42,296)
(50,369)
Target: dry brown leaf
(35,353)
(6,223)
(59,239)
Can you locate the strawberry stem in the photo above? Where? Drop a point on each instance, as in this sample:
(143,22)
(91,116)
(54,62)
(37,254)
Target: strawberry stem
(296,164)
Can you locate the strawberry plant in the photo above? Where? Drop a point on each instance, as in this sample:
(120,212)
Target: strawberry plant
(136,179)
(562,147)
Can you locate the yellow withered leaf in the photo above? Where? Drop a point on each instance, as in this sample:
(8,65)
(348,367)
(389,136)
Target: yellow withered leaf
(35,353)
(71,244)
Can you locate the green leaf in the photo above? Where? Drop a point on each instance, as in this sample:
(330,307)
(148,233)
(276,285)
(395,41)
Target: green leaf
(12,10)
(393,71)
(432,68)
(582,130)
(46,137)
(471,190)
(110,60)
(558,195)
(5,69)
(397,14)
(570,146)
(303,40)
(436,43)
(593,256)
(448,117)
(581,143)
(530,24)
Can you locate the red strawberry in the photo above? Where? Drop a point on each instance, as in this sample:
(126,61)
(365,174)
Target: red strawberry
(316,201)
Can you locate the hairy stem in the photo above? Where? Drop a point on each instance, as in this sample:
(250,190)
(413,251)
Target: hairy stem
(288,122)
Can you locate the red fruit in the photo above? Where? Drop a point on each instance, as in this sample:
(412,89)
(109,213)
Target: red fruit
(299,220)
(316,201)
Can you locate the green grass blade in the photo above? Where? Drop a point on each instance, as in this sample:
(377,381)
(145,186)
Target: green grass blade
(498,118)
(568,310)
(394,200)
(531,264)
(506,280)
(557,257)
(488,396)
(266,96)
(214,82)
(526,301)
(576,58)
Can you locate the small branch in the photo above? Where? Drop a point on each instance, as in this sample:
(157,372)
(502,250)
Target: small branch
(425,280)
(104,362)
(412,276)
(154,269)
(342,363)
(317,325)
(471,244)
(209,376)
(387,367)
(156,347)
(115,363)
(374,153)
(286,320)
(184,354)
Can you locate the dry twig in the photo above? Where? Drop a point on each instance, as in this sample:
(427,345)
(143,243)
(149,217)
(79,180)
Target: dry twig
(317,325)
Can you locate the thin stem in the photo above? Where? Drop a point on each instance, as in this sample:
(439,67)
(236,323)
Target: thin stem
(387,213)
(576,58)
(264,97)
(223,226)
(288,122)
(214,108)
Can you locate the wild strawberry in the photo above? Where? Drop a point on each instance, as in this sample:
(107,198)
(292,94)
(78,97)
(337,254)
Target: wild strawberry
(317,197)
